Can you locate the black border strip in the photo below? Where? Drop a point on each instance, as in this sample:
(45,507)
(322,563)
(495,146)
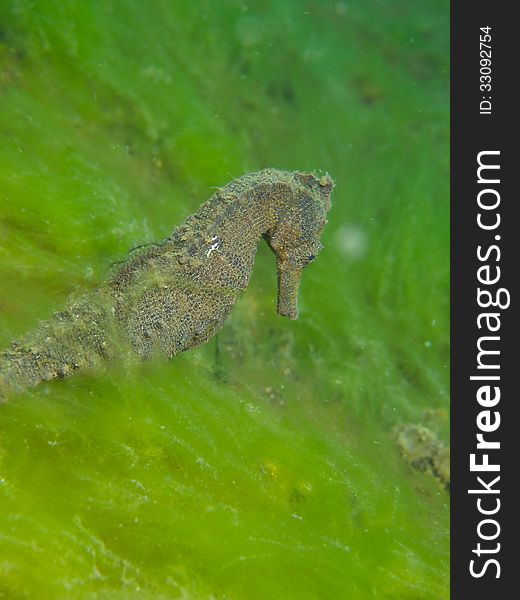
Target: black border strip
(471,133)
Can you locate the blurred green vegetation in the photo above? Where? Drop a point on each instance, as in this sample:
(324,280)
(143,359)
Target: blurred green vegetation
(263,464)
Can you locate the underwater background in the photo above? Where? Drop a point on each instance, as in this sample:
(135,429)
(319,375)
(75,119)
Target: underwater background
(263,464)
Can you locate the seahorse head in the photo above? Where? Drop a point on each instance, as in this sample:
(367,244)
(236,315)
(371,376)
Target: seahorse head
(295,239)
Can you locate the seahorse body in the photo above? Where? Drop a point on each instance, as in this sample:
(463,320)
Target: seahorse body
(174,296)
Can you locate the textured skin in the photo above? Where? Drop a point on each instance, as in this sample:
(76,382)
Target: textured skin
(174,296)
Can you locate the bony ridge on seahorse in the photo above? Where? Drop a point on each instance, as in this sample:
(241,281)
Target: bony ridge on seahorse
(174,296)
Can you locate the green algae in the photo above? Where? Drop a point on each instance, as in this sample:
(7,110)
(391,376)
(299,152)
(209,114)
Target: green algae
(262,464)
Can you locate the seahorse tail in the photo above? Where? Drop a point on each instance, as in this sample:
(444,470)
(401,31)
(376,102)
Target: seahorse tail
(75,339)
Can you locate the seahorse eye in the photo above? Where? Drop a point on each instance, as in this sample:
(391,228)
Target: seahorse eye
(308,259)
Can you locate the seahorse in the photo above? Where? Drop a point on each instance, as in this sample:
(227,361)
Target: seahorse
(170,297)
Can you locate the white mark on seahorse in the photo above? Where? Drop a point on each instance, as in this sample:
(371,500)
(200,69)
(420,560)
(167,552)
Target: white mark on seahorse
(214,246)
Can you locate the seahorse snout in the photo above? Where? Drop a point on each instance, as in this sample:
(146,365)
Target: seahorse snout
(288,286)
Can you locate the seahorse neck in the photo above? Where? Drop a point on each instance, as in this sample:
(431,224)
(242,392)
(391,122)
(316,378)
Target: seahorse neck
(237,211)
